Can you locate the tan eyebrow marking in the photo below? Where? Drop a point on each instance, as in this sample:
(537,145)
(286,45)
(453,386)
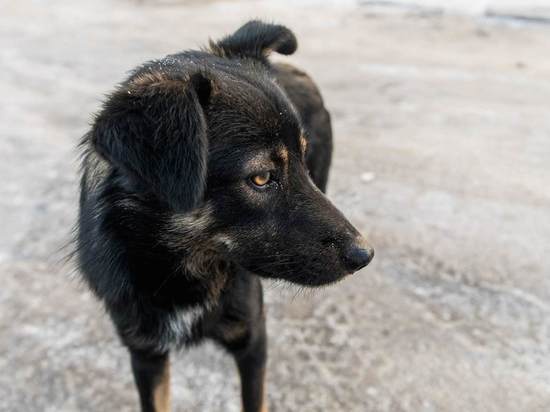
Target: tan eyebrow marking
(283,155)
(303,144)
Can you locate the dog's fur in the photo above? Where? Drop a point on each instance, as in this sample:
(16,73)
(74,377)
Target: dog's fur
(173,233)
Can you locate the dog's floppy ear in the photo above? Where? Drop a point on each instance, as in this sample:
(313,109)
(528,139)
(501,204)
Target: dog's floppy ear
(153,129)
(256,39)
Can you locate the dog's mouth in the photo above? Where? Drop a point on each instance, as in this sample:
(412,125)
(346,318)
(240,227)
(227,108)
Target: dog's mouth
(310,264)
(308,271)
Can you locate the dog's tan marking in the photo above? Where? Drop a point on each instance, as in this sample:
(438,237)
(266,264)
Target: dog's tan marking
(283,155)
(161,393)
(206,263)
(303,144)
(264,396)
(263,407)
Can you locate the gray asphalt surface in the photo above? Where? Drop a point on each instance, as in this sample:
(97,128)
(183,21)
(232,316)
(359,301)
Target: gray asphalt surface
(442,132)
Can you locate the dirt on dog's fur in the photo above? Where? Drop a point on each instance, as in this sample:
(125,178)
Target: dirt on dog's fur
(204,170)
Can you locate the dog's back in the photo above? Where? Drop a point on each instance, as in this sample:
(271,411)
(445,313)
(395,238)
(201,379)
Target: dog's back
(307,99)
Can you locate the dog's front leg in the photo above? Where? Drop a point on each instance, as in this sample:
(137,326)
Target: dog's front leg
(152,377)
(251,364)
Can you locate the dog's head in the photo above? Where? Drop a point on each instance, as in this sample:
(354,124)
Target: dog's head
(215,140)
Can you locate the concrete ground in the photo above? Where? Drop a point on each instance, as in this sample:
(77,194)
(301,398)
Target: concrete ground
(442,157)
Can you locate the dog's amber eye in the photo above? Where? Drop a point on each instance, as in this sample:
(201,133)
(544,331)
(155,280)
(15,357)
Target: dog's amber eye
(261,179)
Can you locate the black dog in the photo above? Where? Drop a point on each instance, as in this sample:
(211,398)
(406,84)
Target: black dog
(202,171)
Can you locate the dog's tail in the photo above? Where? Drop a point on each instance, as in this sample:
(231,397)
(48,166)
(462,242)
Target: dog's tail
(256,39)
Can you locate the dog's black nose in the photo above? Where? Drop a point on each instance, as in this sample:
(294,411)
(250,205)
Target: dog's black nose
(358,256)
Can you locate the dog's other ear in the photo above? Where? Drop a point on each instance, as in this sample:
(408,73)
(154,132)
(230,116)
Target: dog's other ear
(153,129)
(257,40)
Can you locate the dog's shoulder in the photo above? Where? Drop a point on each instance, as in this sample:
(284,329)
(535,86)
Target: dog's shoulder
(306,98)
(300,88)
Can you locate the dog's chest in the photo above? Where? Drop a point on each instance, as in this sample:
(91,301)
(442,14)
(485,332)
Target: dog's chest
(183,322)
(166,330)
